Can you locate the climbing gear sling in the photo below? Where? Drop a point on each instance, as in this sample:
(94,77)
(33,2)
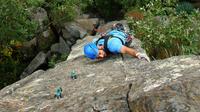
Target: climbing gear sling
(107,37)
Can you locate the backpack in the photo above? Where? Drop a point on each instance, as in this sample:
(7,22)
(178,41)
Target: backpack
(107,37)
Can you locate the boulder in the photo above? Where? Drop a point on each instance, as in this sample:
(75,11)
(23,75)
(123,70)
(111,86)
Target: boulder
(72,40)
(69,43)
(39,15)
(162,20)
(39,43)
(73,30)
(84,16)
(61,47)
(29,48)
(107,26)
(37,62)
(45,40)
(88,24)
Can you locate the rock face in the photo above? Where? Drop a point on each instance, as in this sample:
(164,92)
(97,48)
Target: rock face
(71,33)
(113,85)
(37,62)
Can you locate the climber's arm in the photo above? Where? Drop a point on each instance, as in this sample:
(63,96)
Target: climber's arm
(134,53)
(129,51)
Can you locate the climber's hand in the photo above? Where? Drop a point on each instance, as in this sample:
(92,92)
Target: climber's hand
(143,56)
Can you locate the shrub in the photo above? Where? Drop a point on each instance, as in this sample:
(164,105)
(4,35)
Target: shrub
(10,70)
(112,9)
(184,7)
(165,36)
(56,58)
(15,28)
(62,10)
(14,22)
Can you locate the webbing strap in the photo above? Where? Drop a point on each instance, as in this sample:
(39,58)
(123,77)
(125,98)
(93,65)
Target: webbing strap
(106,38)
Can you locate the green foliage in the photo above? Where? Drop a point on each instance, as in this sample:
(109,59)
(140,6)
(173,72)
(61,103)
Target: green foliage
(56,58)
(31,3)
(86,5)
(52,61)
(59,11)
(112,9)
(10,69)
(14,22)
(63,57)
(129,4)
(62,11)
(165,36)
(15,27)
(184,7)
(159,7)
(6,51)
(7,77)
(35,3)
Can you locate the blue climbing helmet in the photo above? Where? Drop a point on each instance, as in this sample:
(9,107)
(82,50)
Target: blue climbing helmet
(91,50)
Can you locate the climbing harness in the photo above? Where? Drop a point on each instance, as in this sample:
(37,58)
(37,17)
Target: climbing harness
(107,37)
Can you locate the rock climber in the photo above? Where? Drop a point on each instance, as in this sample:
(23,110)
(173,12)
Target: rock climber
(114,41)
